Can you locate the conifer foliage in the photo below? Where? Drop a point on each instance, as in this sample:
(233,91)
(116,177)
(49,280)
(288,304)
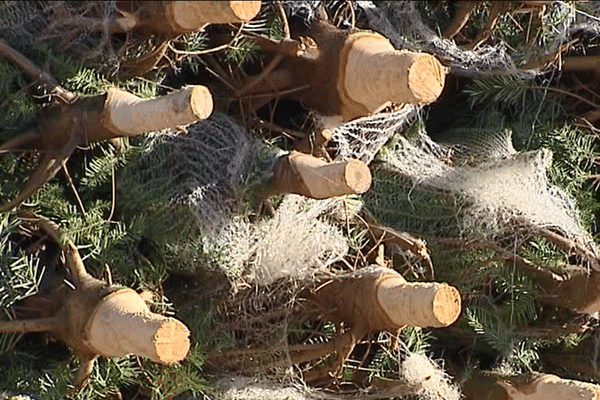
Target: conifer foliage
(322,198)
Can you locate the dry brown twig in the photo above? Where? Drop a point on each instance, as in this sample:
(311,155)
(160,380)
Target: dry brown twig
(36,73)
(406,241)
(464,9)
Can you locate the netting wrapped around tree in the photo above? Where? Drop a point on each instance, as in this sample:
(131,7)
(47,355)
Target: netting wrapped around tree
(68,24)
(363,137)
(399,20)
(491,199)
(196,184)
(202,168)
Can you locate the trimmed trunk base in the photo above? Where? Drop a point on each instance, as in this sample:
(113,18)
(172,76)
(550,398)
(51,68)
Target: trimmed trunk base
(309,176)
(537,387)
(100,319)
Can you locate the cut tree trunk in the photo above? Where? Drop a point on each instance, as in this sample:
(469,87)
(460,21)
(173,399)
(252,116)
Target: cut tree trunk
(376,299)
(100,319)
(379,299)
(62,128)
(354,75)
(173,18)
(312,177)
(125,114)
(374,74)
(538,387)
(372,299)
(122,324)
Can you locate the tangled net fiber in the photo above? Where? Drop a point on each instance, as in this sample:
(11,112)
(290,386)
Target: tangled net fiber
(500,195)
(80,29)
(206,173)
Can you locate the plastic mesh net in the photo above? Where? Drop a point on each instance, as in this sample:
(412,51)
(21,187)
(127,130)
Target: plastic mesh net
(362,138)
(399,20)
(431,380)
(75,27)
(494,198)
(205,174)
(204,168)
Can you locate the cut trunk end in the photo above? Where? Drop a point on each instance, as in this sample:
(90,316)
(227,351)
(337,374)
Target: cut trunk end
(127,115)
(579,292)
(122,324)
(309,176)
(373,74)
(424,304)
(551,387)
(377,299)
(191,16)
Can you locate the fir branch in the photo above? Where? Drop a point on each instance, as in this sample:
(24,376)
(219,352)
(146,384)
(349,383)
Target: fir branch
(101,168)
(35,72)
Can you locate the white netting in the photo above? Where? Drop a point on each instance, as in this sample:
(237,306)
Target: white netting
(210,170)
(431,379)
(204,168)
(491,199)
(362,138)
(244,388)
(295,243)
(75,27)
(399,20)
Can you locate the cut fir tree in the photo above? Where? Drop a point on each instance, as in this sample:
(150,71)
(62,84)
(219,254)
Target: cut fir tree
(97,318)
(78,121)
(348,75)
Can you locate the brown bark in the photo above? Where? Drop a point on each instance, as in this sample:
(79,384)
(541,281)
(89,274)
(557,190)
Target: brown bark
(580,291)
(461,17)
(581,63)
(27,326)
(35,72)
